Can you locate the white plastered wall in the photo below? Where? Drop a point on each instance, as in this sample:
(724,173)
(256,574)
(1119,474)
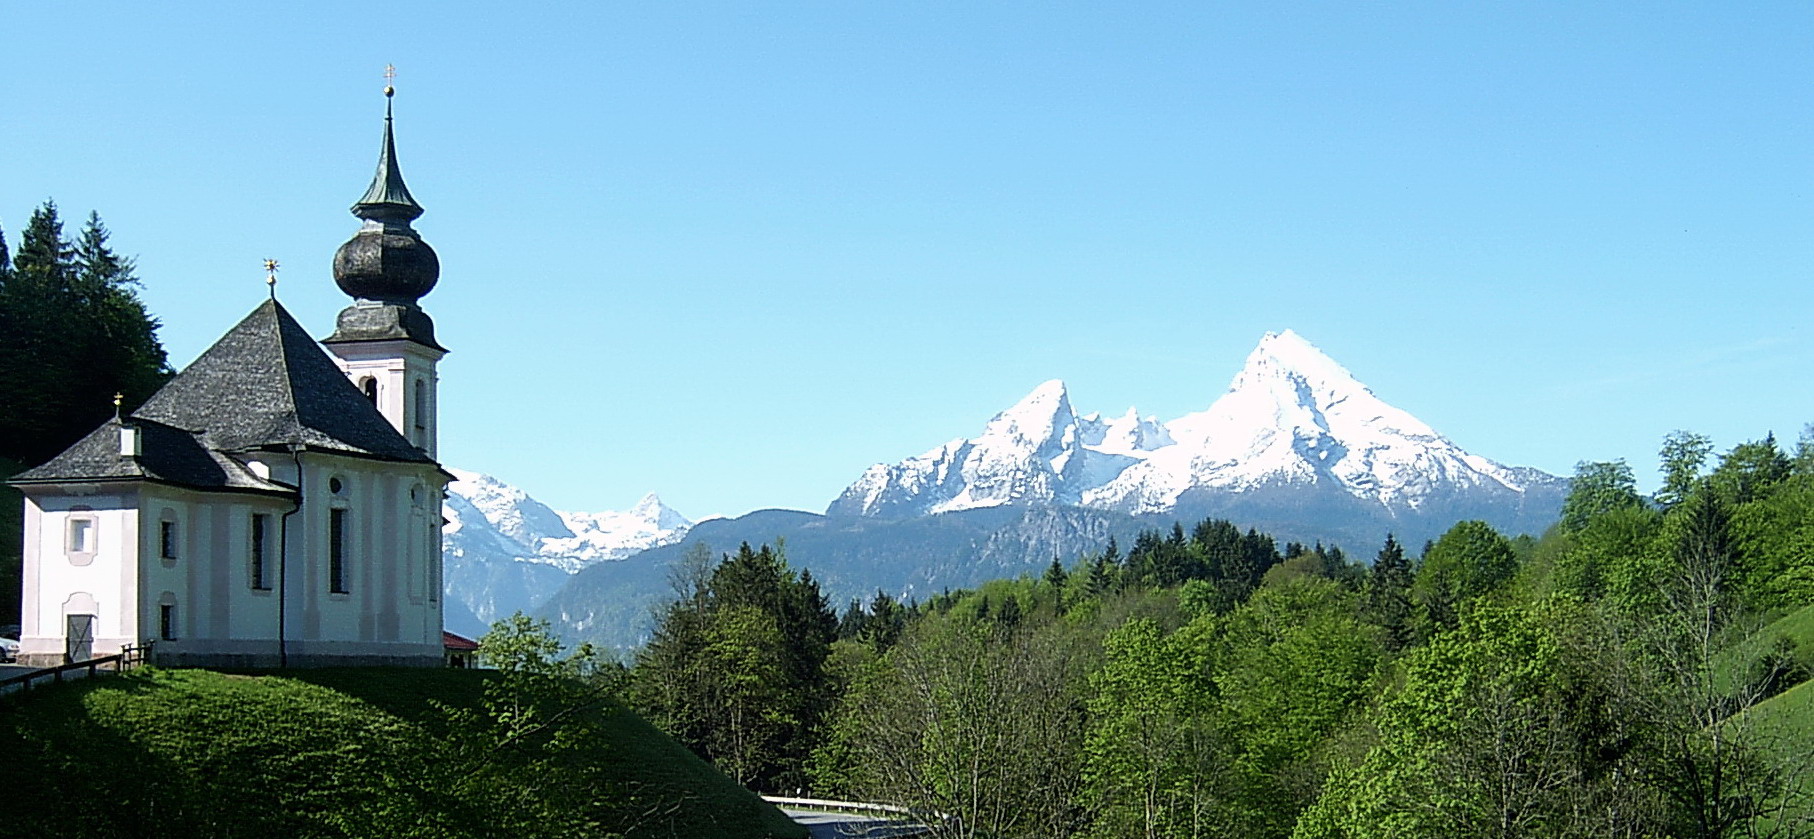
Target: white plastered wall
(58,581)
(398,368)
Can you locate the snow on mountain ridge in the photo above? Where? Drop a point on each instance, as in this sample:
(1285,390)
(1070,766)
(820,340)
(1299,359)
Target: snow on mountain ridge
(1291,416)
(532,532)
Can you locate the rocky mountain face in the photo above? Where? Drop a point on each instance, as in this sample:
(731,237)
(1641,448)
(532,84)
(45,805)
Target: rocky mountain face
(1296,442)
(503,551)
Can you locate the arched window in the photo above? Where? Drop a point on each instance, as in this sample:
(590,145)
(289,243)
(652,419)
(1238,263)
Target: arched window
(338,535)
(370,386)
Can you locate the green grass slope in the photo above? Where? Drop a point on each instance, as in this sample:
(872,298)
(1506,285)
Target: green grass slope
(1797,628)
(350,752)
(1787,641)
(1783,726)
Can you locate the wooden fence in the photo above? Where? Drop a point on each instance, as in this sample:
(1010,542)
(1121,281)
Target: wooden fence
(129,657)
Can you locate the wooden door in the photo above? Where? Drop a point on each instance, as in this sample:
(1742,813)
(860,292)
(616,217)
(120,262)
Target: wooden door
(78,638)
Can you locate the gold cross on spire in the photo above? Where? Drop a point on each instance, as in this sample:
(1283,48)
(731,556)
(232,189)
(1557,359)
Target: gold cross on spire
(271,276)
(390,73)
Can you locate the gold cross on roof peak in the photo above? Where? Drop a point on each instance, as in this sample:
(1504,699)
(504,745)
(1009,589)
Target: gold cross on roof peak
(390,74)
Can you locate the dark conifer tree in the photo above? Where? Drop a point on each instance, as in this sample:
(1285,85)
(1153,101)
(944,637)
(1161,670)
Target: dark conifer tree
(886,620)
(73,333)
(1057,579)
(1388,601)
(43,251)
(686,689)
(1009,613)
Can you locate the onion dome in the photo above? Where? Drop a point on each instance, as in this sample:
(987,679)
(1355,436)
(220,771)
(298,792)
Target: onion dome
(387,261)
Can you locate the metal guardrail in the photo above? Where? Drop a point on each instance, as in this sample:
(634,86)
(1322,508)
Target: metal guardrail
(129,657)
(838,806)
(867,820)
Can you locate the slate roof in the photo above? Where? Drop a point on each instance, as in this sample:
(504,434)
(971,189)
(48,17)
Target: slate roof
(170,455)
(264,385)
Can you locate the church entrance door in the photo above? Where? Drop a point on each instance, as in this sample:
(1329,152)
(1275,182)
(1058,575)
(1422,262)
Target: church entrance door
(78,640)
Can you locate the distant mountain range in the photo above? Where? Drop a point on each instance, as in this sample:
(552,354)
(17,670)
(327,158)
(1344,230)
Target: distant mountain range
(1296,447)
(504,551)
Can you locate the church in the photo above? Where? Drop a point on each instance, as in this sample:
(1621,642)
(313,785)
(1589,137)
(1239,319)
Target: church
(278,502)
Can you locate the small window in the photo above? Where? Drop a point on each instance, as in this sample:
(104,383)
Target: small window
(261,525)
(370,386)
(434,562)
(337,551)
(81,536)
(421,405)
(335,486)
(166,621)
(166,539)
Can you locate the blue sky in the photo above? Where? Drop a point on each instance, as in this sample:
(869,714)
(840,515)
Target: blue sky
(736,253)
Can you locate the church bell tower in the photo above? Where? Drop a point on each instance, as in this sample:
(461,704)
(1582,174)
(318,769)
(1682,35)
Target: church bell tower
(384,341)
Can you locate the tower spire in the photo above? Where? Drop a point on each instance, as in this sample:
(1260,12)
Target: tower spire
(388,200)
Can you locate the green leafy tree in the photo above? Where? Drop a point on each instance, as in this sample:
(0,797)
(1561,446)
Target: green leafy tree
(1468,561)
(961,719)
(1749,472)
(1598,487)
(1773,539)
(1292,664)
(736,669)
(1152,759)
(1499,729)
(1613,555)
(1683,455)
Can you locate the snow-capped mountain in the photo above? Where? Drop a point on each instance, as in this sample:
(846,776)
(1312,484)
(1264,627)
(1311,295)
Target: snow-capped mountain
(504,551)
(1293,425)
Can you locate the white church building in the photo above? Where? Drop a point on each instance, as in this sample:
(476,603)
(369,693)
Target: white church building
(278,503)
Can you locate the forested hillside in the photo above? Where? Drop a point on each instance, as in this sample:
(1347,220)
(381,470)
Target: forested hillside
(1633,672)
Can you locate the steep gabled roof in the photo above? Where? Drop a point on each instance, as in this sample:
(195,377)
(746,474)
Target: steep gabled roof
(267,384)
(169,455)
(264,385)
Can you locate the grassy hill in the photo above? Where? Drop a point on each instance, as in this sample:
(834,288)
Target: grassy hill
(344,752)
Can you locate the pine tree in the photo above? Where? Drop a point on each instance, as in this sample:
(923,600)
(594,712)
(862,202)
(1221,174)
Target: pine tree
(1388,601)
(1056,578)
(1009,613)
(738,674)
(884,625)
(73,332)
(43,252)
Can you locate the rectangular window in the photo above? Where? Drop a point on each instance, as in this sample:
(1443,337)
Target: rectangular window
(260,526)
(166,539)
(81,536)
(166,622)
(337,551)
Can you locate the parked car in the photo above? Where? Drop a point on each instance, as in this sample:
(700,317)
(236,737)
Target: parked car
(9,650)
